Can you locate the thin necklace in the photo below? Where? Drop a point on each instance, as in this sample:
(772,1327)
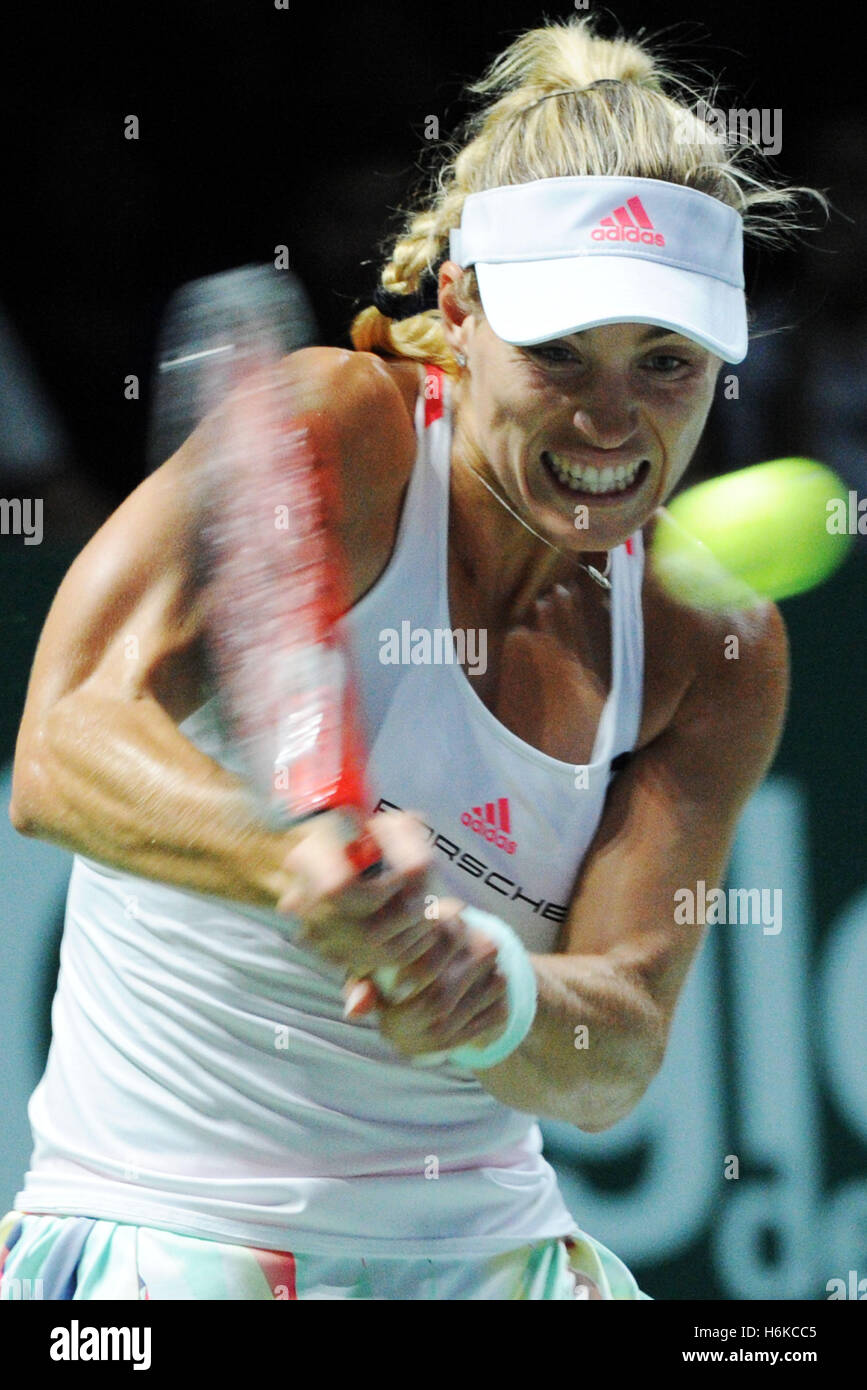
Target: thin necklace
(601,577)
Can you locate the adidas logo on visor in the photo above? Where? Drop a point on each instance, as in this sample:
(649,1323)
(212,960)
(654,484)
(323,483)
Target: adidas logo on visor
(628,223)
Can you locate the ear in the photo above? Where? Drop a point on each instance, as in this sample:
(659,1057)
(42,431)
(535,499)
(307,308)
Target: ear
(453,314)
(450,274)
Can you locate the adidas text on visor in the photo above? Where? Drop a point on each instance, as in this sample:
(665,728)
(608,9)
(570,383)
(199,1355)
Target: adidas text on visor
(556,256)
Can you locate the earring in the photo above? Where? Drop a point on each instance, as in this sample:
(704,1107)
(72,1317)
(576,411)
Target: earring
(461,360)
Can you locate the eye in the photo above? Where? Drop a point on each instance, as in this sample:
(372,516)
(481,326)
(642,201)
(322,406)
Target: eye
(670,363)
(553,354)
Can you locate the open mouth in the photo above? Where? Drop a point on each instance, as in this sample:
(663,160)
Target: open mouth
(598,483)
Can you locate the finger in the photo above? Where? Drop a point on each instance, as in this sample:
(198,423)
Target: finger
(412,1034)
(348,944)
(402,839)
(442,976)
(454,994)
(404,919)
(403,912)
(488,999)
(398,950)
(465,979)
(484,1028)
(396,934)
(393,844)
(318,865)
(360,997)
(423,972)
(323,874)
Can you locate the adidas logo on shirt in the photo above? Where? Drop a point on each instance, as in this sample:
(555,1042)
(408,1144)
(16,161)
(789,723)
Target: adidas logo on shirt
(493,823)
(628,223)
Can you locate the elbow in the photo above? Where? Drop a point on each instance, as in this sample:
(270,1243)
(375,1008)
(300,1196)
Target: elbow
(21,818)
(23,814)
(607,1110)
(25,802)
(607,1102)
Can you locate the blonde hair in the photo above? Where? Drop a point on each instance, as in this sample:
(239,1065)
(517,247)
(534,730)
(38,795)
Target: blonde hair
(563,101)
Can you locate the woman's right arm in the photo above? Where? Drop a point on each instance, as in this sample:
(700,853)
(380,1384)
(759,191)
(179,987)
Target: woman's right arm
(101,767)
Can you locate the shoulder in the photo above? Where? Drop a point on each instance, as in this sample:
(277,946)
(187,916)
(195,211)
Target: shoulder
(728,676)
(359,389)
(371,405)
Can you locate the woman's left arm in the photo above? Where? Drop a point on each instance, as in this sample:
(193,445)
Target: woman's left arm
(669,822)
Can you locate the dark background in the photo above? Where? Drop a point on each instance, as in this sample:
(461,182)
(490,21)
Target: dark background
(305,127)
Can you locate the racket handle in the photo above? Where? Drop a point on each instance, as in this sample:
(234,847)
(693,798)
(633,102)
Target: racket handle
(365,856)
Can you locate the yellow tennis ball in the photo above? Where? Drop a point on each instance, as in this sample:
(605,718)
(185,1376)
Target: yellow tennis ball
(765,532)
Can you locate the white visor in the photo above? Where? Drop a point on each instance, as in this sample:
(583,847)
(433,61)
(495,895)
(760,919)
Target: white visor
(556,256)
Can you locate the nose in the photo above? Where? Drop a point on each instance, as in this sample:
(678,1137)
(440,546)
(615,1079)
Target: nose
(606,421)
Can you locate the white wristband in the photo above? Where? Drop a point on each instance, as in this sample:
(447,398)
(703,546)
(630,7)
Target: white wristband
(521,986)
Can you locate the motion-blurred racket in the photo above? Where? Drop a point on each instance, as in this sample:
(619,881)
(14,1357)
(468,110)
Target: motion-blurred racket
(273,568)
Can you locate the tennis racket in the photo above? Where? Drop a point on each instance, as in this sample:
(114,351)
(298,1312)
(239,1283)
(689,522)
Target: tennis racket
(271,564)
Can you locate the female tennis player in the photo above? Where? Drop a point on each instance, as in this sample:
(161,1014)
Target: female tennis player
(527,391)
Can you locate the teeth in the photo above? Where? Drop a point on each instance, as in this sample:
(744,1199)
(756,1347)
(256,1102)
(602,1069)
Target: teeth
(594,480)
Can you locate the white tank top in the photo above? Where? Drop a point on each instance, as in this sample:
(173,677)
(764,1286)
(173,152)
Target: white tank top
(201,1076)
